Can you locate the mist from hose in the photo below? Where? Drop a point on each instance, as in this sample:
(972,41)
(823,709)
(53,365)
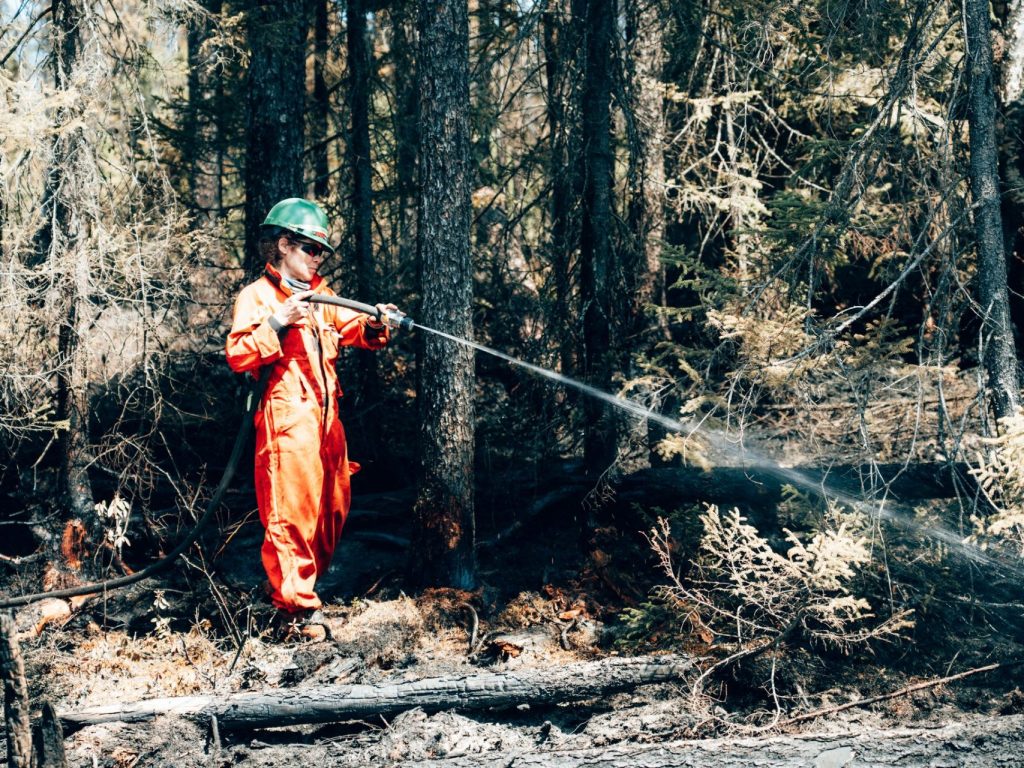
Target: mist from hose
(890,511)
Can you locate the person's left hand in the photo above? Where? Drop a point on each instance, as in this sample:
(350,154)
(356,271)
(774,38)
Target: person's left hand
(383,310)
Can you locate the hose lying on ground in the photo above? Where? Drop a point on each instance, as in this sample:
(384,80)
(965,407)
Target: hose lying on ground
(155,567)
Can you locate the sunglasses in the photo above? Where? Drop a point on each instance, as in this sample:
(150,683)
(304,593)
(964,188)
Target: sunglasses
(315,250)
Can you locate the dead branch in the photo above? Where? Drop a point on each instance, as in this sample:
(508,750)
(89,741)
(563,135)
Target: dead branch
(896,694)
(474,627)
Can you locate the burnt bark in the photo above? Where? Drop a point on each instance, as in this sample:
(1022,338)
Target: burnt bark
(1000,355)
(16,707)
(321,107)
(49,739)
(757,491)
(362,194)
(359,144)
(561,58)
(491,690)
(275,89)
(406,124)
(667,486)
(442,553)
(596,267)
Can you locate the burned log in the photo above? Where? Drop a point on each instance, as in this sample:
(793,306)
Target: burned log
(488,690)
(755,488)
(670,487)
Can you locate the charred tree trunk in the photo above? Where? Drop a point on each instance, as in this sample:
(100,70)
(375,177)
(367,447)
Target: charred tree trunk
(489,690)
(406,126)
(65,243)
(321,107)
(275,101)
(362,194)
(49,740)
(16,708)
(596,267)
(1000,356)
(443,541)
(561,52)
(204,155)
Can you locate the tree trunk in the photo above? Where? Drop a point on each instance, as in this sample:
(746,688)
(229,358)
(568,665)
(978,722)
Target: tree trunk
(203,153)
(443,540)
(275,99)
(406,126)
(645,60)
(1012,69)
(49,740)
(362,197)
(1000,356)
(596,268)
(983,742)
(16,708)
(561,55)
(1010,22)
(321,107)
(504,690)
(65,242)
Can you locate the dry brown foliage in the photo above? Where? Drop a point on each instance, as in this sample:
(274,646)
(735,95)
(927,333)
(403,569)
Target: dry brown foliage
(745,592)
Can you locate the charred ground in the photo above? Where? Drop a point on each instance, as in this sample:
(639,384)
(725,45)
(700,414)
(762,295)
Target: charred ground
(550,596)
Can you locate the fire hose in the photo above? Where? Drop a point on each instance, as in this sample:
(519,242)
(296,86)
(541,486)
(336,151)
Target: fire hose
(392,319)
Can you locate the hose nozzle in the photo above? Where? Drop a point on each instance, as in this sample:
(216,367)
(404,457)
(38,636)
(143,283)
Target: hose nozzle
(396,320)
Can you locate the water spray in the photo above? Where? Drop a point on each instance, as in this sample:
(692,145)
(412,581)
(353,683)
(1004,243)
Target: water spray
(887,509)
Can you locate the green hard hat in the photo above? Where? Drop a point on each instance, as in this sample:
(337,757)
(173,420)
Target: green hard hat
(301,217)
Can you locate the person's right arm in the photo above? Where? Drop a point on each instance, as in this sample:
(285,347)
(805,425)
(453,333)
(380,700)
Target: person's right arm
(253,340)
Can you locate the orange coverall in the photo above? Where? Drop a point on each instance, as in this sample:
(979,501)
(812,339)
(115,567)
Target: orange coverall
(302,466)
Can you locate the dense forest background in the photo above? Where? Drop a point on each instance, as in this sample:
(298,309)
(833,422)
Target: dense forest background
(791,231)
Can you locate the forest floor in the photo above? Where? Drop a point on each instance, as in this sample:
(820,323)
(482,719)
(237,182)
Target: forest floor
(207,630)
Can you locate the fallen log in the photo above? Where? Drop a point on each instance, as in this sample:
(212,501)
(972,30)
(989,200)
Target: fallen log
(671,488)
(983,742)
(668,486)
(488,690)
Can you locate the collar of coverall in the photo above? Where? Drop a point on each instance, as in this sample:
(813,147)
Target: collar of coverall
(274,276)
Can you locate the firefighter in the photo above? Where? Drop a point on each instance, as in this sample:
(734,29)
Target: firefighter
(302,465)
